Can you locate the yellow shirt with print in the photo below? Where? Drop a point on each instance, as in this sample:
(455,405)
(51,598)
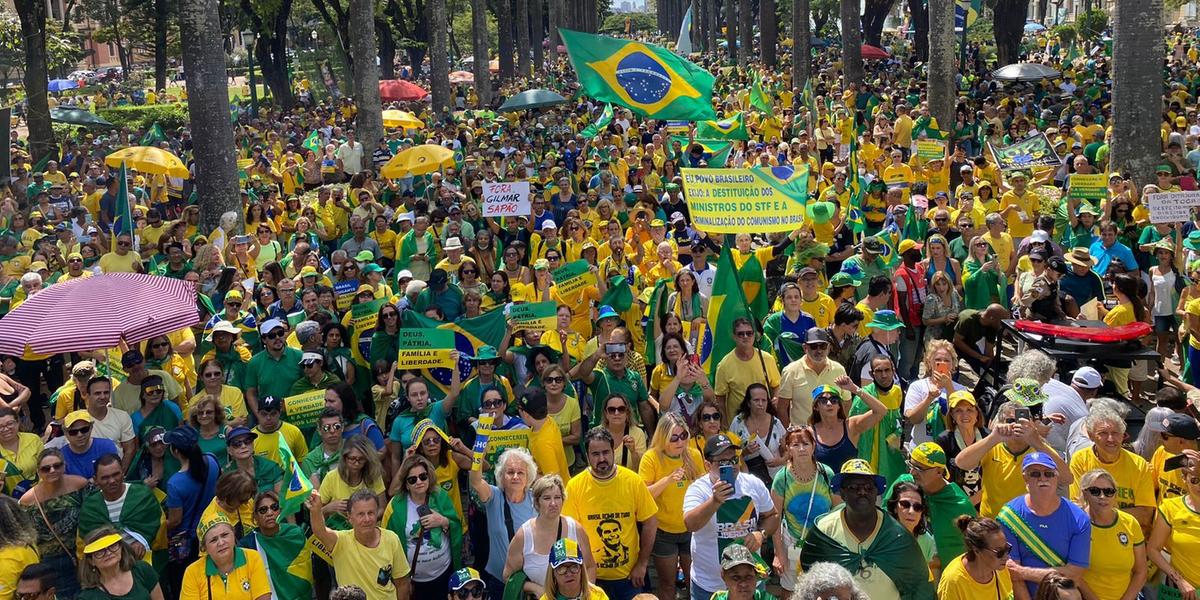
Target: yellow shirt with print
(1185,536)
(656,465)
(614,507)
(1167,484)
(901,176)
(243,517)
(820,308)
(1111,566)
(1002,246)
(1135,487)
(936,180)
(248,579)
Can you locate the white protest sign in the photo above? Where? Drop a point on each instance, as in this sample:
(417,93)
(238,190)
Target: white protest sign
(1172,207)
(506,199)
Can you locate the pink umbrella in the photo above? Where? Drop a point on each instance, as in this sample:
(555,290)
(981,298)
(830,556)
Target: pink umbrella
(462,77)
(392,90)
(99,312)
(874,53)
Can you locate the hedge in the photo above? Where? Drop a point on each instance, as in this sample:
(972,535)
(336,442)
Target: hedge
(168,116)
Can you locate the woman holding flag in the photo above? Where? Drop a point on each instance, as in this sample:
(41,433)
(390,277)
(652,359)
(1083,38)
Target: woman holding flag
(284,547)
(423,516)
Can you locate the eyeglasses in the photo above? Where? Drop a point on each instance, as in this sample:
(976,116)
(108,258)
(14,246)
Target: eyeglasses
(79,431)
(1102,492)
(29,595)
(548,257)
(1041,474)
(267,508)
(615,410)
(331,427)
(413,479)
(468,272)
(679,437)
(554,379)
(58,466)
(567,568)
(744,333)
(910,505)
(124,244)
(710,417)
(113,549)
(234,303)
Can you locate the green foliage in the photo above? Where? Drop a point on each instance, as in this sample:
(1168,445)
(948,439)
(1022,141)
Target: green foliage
(460,26)
(168,116)
(1089,25)
(1066,33)
(639,22)
(63,49)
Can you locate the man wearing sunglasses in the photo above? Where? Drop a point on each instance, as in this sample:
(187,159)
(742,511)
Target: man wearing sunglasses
(615,377)
(79,448)
(122,259)
(794,399)
(1048,533)
(274,370)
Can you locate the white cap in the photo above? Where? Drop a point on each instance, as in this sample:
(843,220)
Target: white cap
(1087,377)
(404,273)
(676,216)
(1039,236)
(224,327)
(414,287)
(406,216)
(311,357)
(270,325)
(453,243)
(549,225)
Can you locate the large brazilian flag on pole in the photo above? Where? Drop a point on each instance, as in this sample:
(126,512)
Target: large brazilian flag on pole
(647,79)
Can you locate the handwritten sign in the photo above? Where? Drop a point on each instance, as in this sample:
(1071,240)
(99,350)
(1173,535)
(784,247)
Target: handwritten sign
(344,292)
(931,149)
(481,440)
(573,277)
(303,410)
(425,349)
(1088,187)
(536,316)
(506,199)
(1172,207)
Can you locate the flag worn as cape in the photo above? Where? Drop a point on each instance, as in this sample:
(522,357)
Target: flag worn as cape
(875,445)
(894,550)
(753,281)
(726,304)
(854,213)
(141,515)
(943,508)
(288,560)
(395,519)
(716,151)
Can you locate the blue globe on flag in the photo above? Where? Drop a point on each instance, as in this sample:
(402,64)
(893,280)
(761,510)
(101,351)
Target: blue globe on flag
(643,78)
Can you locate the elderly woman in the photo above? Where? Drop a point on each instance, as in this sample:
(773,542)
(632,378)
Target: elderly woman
(423,516)
(1117,570)
(568,575)
(801,492)
(154,412)
(227,571)
(110,571)
(828,580)
(529,550)
(208,418)
(506,505)
(19,450)
(980,572)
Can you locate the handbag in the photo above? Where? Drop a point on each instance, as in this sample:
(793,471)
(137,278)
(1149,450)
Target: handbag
(181,546)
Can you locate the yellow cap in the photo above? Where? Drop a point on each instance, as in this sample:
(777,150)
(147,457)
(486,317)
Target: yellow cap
(75,417)
(102,543)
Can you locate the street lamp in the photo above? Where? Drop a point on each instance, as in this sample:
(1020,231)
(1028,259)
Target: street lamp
(250,39)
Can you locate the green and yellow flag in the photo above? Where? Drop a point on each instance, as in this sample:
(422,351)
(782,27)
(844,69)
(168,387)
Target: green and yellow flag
(296,488)
(718,150)
(606,117)
(726,304)
(123,220)
(647,79)
(732,128)
(313,142)
(855,218)
(758,96)
(154,136)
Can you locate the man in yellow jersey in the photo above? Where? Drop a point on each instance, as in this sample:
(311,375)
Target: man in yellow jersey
(813,301)
(1135,486)
(1180,433)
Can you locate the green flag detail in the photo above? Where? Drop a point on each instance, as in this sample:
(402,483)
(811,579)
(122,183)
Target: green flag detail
(594,129)
(726,304)
(123,220)
(647,79)
(313,142)
(758,96)
(296,488)
(154,136)
(732,128)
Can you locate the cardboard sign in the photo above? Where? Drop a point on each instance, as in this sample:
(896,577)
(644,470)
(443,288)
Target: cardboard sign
(499,441)
(573,277)
(425,349)
(1088,187)
(536,316)
(344,292)
(506,199)
(1172,207)
(931,149)
(303,410)
(363,320)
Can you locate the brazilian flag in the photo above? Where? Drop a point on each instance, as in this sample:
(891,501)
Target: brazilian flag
(718,150)
(726,304)
(758,96)
(154,136)
(313,142)
(594,129)
(732,128)
(854,213)
(297,488)
(647,79)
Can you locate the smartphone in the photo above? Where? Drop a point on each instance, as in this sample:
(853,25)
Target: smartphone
(729,475)
(1023,413)
(1179,461)
(694,359)
(943,368)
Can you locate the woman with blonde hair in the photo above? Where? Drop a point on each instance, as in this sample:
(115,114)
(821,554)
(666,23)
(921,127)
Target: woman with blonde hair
(941,308)
(983,277)
(668,467)
(358,468)
(569,576)
(618,420)
(210,420)
(710,420)
(927,399)
(529,550)
(1117,570)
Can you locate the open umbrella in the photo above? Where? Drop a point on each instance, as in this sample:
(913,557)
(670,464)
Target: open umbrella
(149,159)
(870,52)
(1034,27)
(462,77)
(98,312)
(418,160)
(530,99)
(77,116)
(391,90)
(401,120)
(59,85)
(1025,72)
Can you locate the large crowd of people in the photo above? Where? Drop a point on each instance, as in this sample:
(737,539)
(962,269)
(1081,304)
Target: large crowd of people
(871,433)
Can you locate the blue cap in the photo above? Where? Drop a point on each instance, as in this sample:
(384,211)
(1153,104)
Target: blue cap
(1038,458)
(183,438)
(462,577)
(270,325)
(606,312)
(238,432)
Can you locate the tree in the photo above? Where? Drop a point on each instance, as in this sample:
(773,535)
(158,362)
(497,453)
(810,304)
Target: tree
(410,20)
(769,29)
(801,40)
(852,64)
(1008,25)
(504,22)
(479,46)
(731,22)
(208,109)
(1091,24)
(920,24)
(823,13)
(1137,89)
(268,19)
(387,47)
(32,14)
(875,12)
(337,17)
(745,47)
(537,33)
(942,61)
(369,122)
(521,20)
(554,9)
(439,61)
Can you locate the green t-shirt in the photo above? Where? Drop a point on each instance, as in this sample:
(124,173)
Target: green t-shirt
(273,377)
(144,580)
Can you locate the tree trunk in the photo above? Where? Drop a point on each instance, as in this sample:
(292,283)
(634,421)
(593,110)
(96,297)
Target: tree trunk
(369,122)
(161,13)
(1042,7)
(941,61)
(216,178)
(439,63)
(270,50)
(505,38)
(852,64)
(334,15)
(480,49)
(387,49)
(745,12)
(1137,88)
(554,9)
(537,33)
(37,112)
(801,49)
(1008,25)
(920,26)
(731,21)
(769,30)
(713,29)
(521,18)
(874,15)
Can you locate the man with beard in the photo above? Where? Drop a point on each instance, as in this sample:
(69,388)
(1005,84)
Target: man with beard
(884,558)
(612,502)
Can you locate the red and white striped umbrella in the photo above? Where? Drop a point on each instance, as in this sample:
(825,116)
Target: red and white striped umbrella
(98,312)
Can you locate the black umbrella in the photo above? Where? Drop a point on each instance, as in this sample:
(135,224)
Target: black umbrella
(78,116)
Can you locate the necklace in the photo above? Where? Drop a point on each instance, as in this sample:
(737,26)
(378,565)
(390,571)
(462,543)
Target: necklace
(800,477)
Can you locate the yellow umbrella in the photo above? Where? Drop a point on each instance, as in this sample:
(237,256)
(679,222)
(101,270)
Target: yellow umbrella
(418,160)
(401,119)
(147,159)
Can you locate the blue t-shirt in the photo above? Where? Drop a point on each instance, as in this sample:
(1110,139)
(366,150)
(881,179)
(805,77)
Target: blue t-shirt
(368,428)
(84,465)
(1104,256)
(402,426)
(498,532)
(182,492)
(1067,531)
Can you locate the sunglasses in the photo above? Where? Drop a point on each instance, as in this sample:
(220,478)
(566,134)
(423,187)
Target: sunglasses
(615,410)
(245,441)
(1001,552)
(616,355)
(155,390)
(206,413)
(267,508)
(1102,492)
(744,334)
(679,437)
(910,505)
(413,479)
(331,427)
(274,335)
(493,403)
(474,591)
(212,374)
(554,379)
(1042,474)
(826,399)
(58,466)
(79,430)
(710,417)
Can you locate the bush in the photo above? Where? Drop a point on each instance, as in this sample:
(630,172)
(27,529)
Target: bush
(168,116)
(1065,34)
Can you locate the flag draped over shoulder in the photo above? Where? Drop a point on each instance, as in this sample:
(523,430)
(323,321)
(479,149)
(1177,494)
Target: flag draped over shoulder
(758,96)
(732,128)
(606,117)
(141,515)
(854,213)
(123,220)
(894,550)
(296,487)
(469,336)
(288,561)
(647,79)
(726,304)
(717,150)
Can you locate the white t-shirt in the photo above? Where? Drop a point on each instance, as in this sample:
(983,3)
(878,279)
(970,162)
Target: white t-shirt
(351,157)
(1062,399)
(116,426)
(704,280)
(434,558)
(727,525)
(917,392)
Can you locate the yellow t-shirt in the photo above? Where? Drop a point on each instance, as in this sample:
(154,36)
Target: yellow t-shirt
(1135,486)
(546,447)
(1185,537)
(957,584)
(656,465)
(366,567)
(1121,314)
(232,401)
(13,560)
(820,308)
(1003,247)
(1111,564)
(266,445)
(735,375)
(1026,203)
(1167,484)
(901,176)
(112,262)
(868,316)
(1002,480)
(25,460)
(248,579)
(333,488)
(615,507)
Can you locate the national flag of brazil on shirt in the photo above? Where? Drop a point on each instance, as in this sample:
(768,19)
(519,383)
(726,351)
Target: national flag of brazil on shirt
(647,79)
(733,128)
